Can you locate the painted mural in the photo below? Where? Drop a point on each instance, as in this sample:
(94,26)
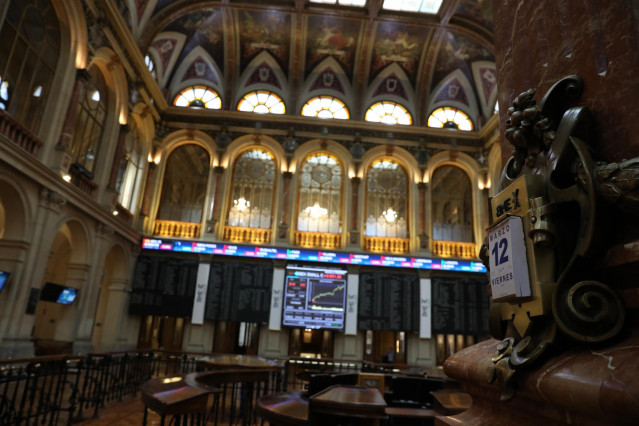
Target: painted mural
(480,11)
(453,91)
(202,28)
(265,31)
(330,36)
(327,79)
(391,85)
(200,69)
(161,4)
(263,74)
(458,52)
(396,43)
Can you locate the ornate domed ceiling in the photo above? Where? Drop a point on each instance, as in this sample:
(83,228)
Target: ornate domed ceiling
(299,50)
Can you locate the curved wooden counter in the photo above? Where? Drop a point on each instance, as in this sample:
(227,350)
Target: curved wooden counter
(284,409)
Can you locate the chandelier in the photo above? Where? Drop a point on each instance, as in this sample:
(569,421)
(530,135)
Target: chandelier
(241,204)
(390,215)
(316,211)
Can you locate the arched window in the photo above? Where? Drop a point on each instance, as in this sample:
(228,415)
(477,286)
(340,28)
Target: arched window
(386,200)
(184,185)
(325,107)
(452,205)
(30,49)
(252,190)
(150,65)
(262,102)
(198,97)
(320,195)
(388,112)
(130,171)
(92,113)
(450,118)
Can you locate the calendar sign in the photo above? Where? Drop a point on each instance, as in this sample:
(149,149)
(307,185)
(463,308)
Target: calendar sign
(508,264)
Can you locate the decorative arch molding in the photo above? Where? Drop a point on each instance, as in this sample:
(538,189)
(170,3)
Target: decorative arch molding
(165,50)
(243,85)
(402,79)
(186,137)
(121,269)
(143,118)
(17,212)
(246,142)
(72,13)
(400,155)
(323,146)
(328,64)
(77,232)
(441,99)
(453,158)
(109,64)
(494,169)
(187,62)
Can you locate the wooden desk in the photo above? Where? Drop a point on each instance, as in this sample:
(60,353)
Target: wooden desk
(174,397)
(284,409)
(365,404)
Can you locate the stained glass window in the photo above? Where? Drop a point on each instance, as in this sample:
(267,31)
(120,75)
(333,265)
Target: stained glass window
(262,102)
(388,112)
(325,107)
(198,97)
(386,200)
(320,195)
(450,118)
(452,205)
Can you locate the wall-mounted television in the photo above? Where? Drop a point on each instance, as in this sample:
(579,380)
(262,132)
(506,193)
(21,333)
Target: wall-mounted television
(314,297)
(56,293)
(4,277)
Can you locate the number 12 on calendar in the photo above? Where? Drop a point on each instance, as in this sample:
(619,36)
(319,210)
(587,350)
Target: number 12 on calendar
(508,263)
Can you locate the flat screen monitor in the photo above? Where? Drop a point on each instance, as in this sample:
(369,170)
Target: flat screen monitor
(4,277)
(314,297)
(57,293)
(67,296)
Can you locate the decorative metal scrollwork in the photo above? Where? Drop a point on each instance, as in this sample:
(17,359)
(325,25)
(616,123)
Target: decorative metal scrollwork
(554,140)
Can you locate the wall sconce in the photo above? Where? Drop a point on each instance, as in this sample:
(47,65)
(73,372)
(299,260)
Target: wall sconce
(241,204)
(390,215)
(316,211)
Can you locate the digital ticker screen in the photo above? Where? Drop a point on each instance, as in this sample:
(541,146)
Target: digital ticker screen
(314,297)
(260,252)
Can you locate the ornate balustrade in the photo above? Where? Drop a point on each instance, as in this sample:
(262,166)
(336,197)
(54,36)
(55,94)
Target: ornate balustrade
(14,131)
(454,249)
(386,244)
(171,228)
(318,239)
(81,179)
(239,234)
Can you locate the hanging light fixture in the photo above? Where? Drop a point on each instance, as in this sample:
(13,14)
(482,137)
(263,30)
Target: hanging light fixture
(241,204)
(316,211)
(390,215)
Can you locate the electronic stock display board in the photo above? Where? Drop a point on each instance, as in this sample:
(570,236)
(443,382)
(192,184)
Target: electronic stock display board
(311,255)
(314,297)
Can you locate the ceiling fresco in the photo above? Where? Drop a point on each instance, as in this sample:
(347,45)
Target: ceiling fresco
(300,49)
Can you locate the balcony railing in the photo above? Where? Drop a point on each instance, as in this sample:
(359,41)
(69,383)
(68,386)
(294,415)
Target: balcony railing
(14,131)
(454,249)
(318,239)
(171,228)
(239,234)
(386,244)
(82,179)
